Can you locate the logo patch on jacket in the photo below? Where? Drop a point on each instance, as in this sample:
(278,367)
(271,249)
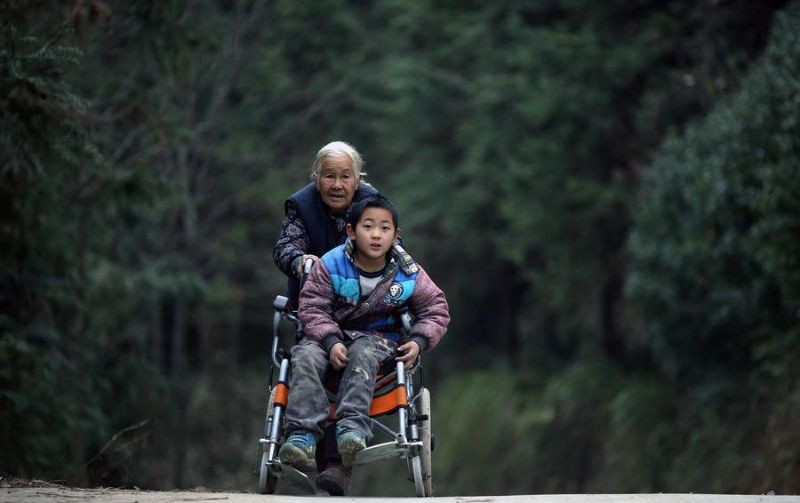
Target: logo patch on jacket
(399,292)
(395,291)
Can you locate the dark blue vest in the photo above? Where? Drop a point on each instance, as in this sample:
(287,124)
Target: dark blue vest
(320,226)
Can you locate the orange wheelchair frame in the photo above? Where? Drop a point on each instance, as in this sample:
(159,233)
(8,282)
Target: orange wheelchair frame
(394,393)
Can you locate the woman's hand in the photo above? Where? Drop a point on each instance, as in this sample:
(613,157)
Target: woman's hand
(408,352)
(299,270)
(338,356)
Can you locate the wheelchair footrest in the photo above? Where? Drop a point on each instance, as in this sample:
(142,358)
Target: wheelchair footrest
(294,477)
(382,451)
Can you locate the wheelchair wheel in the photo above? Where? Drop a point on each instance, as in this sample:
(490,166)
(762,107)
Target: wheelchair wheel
(427,445)
(419,466)
(267,480)
(416,473)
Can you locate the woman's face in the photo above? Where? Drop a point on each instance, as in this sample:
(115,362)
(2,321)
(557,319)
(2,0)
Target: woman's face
(337,183)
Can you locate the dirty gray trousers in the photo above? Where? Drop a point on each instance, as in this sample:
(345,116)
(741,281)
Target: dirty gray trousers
(308,403)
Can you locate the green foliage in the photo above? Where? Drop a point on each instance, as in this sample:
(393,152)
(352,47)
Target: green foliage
(44,155)
(73,271)
(38,105)
(29,410)
(490,403)
(569,447)
(714,250)
(641,438)
(714,242)
(514,134)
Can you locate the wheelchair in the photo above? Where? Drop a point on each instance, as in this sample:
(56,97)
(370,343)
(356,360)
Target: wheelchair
(394,395)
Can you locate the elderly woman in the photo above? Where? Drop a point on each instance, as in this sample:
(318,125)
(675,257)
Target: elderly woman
(314,224)
(315,215)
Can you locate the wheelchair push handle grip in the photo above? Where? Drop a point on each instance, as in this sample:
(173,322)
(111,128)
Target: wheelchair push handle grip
(280,303)
(307,265)
(280,306)
(276,333)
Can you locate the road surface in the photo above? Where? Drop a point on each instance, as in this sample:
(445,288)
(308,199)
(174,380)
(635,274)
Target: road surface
(60,494)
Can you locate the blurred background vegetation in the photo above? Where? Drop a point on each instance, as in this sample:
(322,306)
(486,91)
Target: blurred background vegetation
(608,192)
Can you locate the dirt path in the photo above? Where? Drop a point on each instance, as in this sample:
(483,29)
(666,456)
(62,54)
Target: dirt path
(59,494)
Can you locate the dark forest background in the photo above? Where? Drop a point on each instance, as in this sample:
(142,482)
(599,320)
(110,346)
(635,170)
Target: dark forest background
(608,192)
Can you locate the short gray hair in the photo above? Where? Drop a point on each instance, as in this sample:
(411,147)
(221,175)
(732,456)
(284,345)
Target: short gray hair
(335,148)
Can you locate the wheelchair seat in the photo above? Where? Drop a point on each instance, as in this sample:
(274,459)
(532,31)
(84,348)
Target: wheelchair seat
(388,395)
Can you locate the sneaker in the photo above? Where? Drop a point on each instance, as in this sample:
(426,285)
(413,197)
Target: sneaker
(298,451)
(349,443)
(335,479)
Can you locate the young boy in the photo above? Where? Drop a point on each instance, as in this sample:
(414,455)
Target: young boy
(347,307)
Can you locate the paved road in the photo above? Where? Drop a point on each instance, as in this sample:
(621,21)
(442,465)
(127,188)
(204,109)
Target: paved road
(60,494)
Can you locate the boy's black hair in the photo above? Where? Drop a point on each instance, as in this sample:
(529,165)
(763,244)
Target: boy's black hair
(376,201)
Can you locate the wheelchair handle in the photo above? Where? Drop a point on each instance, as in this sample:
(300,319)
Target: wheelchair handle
(279,307)
(281,310)
(307,265)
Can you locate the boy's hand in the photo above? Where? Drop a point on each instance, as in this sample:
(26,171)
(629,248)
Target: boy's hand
(408,352)
(338,356)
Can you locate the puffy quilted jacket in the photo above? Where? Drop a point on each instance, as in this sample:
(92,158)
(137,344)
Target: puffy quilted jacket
(331,308)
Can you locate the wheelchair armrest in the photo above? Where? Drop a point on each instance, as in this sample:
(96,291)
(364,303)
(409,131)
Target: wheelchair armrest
(280,303)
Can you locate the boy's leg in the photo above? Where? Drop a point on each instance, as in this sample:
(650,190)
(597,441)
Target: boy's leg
(353,427)
(307,410)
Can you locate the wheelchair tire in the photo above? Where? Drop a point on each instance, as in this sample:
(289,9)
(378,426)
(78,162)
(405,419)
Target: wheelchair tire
(416,473)
(266,480)
(427,443)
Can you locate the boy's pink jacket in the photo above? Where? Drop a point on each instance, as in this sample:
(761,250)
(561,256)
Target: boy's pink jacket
(329,319)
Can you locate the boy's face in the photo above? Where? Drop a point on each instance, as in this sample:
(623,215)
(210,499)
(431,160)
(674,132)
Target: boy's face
(374,233)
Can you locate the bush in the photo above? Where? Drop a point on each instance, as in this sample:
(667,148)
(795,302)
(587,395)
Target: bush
(714,269)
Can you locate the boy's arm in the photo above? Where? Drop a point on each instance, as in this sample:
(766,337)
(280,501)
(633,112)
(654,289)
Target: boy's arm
(432,314)
(316,308)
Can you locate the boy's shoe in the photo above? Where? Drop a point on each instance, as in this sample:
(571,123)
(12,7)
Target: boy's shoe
(335,479)
(349,443)
(298,451)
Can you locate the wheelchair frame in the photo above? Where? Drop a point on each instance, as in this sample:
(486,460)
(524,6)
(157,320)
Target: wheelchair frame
(412,440)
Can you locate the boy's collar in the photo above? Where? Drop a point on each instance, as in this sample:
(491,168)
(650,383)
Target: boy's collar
(403,259)
(348,250)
